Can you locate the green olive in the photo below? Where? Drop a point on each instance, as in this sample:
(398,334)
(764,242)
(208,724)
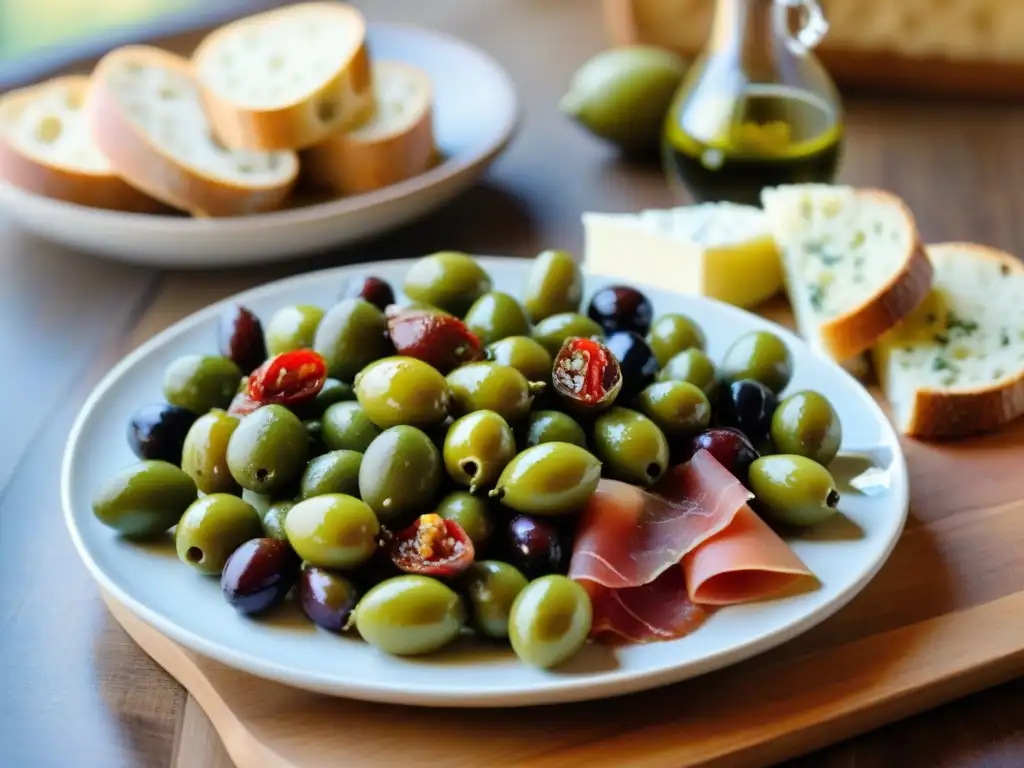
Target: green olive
(351,335)
(549,621)
(201,382)
(409,615)
(145,499)
(549,479)
(345,426)
(678,408)
(554,427)
(268,450)
(204,454)
(805,423)
(314,431)
(491,387)
(334,472)
(402,390)
(631,446)
(292,328)
(492,588)
(793,490)
(694,366)
(212,528)
(449,280)
(335,530)
(469,512)
(477,448)
(525,355)
(671,334)
(333,391)
(555,285)
(496,316)
(761,356)
(552,331)
(401,473)
(273,519)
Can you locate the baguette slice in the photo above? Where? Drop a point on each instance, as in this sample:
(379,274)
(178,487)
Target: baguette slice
(396,144)
(955,367)
(46,149)
(147,117)
(287,78)
(721,250)
(853,262)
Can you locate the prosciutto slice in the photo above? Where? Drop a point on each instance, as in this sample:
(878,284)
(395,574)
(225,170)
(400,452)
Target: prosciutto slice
(661,610)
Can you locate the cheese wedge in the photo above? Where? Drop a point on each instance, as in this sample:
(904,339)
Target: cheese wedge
(46,149)
(721,250)
(396,144)
(955,366)
(286,78)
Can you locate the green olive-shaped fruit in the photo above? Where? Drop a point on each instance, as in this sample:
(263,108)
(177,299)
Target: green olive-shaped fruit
(401,473)
(410,615)
(492,587)
(552,331)
(212,528)
(333,391)
(292,328)
(805,423)
(402,390)
(555,285)
(671,334)
(761,356)
(204,455)
(553,427)
(332,531)
(351,335)
(333,472)
(496,316)
(273,519)
(549,479)
(491,387)
(449,280)
(268,450)
(524,354)
(469,512)
(678,408)
(631,446)
(201,382)
(145,499)
(793,490)
(477,448)
(345,426)
(694,366)
(549,621)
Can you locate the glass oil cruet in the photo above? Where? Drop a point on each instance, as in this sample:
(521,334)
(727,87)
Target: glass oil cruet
(757,108)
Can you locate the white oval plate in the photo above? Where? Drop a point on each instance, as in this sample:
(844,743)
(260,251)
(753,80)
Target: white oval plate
(845,554)
(475,116)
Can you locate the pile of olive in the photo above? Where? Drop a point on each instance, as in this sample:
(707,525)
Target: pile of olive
(411,471)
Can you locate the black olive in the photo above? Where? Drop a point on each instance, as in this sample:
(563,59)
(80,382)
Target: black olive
(373,289)
(326,597)
(730,447)
(748,406)
(158,431)
(240,338)
(259,574)
(534,547)
(637,361)
(621,308)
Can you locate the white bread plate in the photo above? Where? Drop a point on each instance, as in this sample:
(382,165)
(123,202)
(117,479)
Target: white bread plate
(475,115)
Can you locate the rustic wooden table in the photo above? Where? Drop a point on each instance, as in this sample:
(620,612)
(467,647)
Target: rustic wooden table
(74,690)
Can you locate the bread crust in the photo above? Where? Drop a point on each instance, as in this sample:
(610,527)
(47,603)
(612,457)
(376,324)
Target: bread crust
(150,169)
(349,164)
(958,413)
(854,332)
(346,97)
(32,173)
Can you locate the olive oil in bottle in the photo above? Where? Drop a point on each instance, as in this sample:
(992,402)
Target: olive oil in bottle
(757,109)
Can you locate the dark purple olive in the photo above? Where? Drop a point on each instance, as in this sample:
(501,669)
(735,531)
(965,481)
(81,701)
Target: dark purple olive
(729,446)
(158,431)
(373,289)
(748,406)
(636,360)
(534,547)
(326,597)
(259,574)
(621,308)
(240,337)
(380,566)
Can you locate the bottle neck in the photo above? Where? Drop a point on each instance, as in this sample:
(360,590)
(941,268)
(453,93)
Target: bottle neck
(747,30)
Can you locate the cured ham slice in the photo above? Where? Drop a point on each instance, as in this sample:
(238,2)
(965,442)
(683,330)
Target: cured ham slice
(661,610)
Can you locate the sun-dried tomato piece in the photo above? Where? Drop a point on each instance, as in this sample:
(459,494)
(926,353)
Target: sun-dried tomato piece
(436,338)
(289,378)
(433,546)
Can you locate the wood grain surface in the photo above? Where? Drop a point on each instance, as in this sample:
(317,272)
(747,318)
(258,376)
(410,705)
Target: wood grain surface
(75,690)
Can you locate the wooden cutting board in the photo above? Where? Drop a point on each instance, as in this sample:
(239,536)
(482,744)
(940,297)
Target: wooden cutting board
(944,618)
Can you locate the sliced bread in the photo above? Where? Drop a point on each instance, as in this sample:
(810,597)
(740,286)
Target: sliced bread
(955,366)
(46,149)
(287,78)
(147,117)
(853,262)
(721,250)
(396,144)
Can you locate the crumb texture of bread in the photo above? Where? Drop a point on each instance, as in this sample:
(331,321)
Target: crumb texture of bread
(854,265)
(955,367)
(394,145)
(46,148)
(287,78)
(147,116)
